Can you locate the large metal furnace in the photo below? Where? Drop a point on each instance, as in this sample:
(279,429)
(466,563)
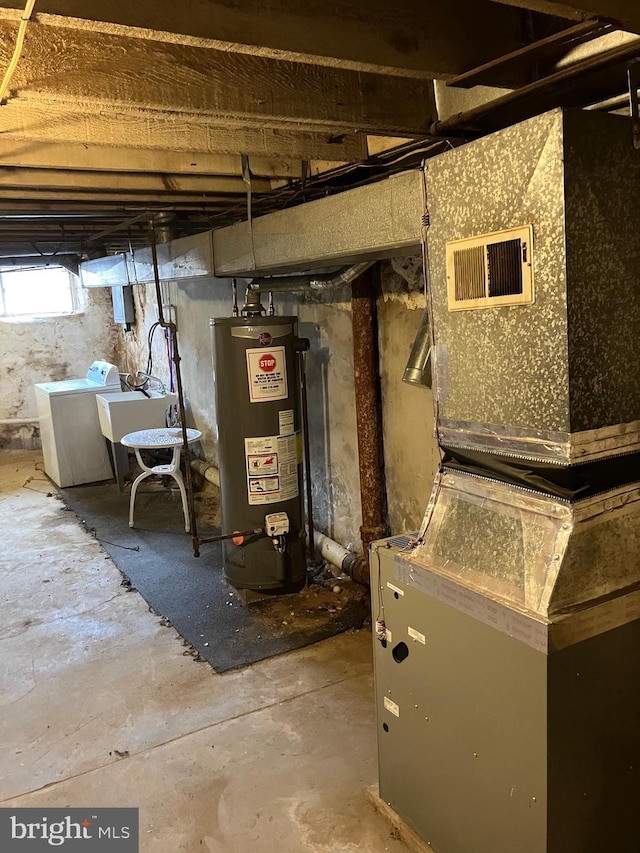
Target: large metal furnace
(508,663)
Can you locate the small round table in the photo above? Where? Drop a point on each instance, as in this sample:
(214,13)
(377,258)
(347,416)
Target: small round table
(153,439)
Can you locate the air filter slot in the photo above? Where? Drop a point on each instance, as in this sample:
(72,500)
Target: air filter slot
(491,270)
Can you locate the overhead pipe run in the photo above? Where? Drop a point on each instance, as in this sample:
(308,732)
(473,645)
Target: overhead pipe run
(302,283)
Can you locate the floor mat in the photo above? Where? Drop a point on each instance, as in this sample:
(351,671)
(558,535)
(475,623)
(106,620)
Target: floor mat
(157,560)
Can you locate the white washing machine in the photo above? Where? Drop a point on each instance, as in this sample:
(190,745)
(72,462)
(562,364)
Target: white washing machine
(74,448)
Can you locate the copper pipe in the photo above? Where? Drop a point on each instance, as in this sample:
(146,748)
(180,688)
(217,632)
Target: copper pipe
(368,407)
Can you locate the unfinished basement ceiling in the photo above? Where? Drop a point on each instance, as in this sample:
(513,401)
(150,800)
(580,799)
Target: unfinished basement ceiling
(201,110)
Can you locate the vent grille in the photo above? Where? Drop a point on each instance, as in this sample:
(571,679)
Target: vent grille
(485,272)
(469,272)
(504,262)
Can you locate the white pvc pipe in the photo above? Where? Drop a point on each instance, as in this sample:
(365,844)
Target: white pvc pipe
(208,471)
(334,553)
(330,550)
(18,421)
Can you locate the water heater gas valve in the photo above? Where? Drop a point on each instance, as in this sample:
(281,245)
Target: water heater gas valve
(276,525)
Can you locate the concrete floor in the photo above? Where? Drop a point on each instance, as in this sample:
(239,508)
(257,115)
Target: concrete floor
(100,706)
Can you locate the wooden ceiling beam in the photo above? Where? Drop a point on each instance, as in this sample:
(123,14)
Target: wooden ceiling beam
(126,201)
(104,158)
(63,180)
(114,72)
(117,210)
(153,133)
(408,37)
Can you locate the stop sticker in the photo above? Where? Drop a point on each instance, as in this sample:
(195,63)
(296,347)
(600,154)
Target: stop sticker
(267,362)
(267,374)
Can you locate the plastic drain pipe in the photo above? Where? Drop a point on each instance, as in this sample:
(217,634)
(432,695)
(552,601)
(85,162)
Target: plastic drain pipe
(337,555)
(206,470)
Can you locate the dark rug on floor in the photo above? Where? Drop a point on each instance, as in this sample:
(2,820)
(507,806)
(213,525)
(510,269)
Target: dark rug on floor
(156,559)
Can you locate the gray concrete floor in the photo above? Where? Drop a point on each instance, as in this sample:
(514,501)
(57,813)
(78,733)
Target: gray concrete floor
(100,706)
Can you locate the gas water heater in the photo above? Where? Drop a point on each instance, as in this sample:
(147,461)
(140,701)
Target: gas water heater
(258,423)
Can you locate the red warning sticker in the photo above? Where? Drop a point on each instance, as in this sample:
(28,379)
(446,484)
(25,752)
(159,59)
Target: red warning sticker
(260,464)
(267,374)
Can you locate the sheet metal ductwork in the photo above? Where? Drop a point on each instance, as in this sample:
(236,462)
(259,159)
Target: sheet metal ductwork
(318,281)
(509,646)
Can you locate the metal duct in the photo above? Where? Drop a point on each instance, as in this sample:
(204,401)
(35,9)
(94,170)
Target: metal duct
(69,262)
(525,574)
(301,283)
(418,369)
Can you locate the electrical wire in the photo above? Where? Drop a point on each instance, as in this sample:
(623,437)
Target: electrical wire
(299,192)
(380,627)
(17,51)
(428,293)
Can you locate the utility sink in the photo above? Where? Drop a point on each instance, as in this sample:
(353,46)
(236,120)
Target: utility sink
(128,411)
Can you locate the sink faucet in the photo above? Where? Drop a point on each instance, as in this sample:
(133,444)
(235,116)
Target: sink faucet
(149,377)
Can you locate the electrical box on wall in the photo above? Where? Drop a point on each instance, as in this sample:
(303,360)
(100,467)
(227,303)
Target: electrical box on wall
(490,270)
(123,308)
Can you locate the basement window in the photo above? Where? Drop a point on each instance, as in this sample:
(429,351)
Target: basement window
(36,292)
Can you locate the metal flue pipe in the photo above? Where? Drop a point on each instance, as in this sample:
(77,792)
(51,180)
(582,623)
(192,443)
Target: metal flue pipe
(316,282)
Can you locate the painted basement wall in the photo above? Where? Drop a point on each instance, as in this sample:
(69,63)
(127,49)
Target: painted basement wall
(50,349)
(410,450)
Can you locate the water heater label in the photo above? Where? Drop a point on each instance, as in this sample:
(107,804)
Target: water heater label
(267,373)
(285,422)
(272,469)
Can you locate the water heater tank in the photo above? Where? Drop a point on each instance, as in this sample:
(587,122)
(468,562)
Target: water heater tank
(255,367)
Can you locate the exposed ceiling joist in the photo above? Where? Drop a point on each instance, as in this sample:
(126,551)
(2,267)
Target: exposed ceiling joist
(66,121)
(112,72)
(407,38)
(120,108)
(139,199)
(103,158)
(33,179)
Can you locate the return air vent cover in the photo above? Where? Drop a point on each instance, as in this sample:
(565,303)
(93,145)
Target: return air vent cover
(491,270)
